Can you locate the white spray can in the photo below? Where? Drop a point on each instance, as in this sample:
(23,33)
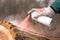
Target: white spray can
(42,19)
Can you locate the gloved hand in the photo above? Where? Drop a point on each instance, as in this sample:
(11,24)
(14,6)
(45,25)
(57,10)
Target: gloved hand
(47,11)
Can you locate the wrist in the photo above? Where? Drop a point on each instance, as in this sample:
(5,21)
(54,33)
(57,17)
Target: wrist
(49,12)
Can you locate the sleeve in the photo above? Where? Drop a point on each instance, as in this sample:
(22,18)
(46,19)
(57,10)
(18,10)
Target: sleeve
(56,6)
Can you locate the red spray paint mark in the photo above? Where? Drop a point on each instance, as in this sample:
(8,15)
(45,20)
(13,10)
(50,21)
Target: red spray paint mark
(24,24)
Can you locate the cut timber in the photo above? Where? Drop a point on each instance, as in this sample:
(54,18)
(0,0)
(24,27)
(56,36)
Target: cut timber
(6,33)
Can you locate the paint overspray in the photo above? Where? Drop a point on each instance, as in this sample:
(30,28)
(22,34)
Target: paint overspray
(24,25)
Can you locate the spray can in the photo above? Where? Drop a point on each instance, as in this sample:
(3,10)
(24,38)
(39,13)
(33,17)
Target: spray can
(42,19)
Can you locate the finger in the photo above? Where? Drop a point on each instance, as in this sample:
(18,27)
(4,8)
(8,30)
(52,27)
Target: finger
(32,10)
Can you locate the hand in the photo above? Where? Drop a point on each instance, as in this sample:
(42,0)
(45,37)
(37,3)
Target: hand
(41,12)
